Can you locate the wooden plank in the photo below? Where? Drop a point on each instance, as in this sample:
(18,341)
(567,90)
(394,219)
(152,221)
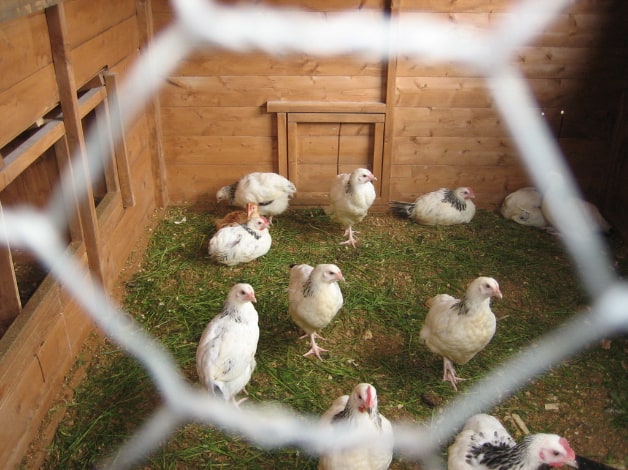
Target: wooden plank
(120,149)
(282,144)
(12,9)
(102,124)
(64,70)
(211,150)
(18,160)
(24,49)
(324,107)
(11,305)
(447,6)
(89,19)
(104,50)
(259,89)
(26,102)
(242,121)
(335,117)
(448,122)
(293,155)
(377,156)
(71,205)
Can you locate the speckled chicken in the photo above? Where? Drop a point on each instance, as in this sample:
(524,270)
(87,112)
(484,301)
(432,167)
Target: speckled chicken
(225,357)
(458,329)
(484,444)
(523,206)
(359,411)
(351,195)
(314,299)
(242,243)
(441,207)
(271,192)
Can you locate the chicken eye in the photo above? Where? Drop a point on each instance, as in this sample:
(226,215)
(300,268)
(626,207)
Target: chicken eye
(556,453)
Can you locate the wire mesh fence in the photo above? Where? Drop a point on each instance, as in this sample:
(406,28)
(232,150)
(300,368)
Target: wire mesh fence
(277,31)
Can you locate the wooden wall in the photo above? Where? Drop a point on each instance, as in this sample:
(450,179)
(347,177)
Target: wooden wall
(442,128)
(48,329)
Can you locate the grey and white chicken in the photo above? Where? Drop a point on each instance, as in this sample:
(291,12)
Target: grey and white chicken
(242,243)
(359,411)
(441,207)
(271,192)
(225,357)
(484,444)
(351,195)
(314,299)
(523,206)
(458,329)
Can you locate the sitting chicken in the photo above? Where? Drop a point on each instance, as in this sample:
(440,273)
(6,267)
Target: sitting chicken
(314,298)
(232,245)
(359,411)
(523,206)
(485,444)
(441,207)
(225,357)
(271,192)
(458,329)
(351,196)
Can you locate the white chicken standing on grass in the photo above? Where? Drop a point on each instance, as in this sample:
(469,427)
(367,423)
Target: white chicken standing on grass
(242,243)
(359,411)
(314,299)
(351,195)
(441,207)
(271,192)
(484,444)
(225,357)
(458,329)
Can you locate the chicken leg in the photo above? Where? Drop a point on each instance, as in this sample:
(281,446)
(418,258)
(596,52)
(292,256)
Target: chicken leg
(449,373)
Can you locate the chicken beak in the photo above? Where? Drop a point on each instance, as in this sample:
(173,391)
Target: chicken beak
(498,293)
(252,297)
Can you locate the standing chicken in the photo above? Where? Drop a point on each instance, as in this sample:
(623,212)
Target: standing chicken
(359,411)
(458,329)
(485,444)
(351,196)
(225,358)
(271,192)
(241,243)
(314,298)
(441,207)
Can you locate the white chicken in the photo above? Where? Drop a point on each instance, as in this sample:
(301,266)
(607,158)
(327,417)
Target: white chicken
(523,206)
(314,299)
(458,329)
(232,245)
(271,192)
(589,210)
(351,195)
(359,411)
(484,444)
(225,357)
(441,207)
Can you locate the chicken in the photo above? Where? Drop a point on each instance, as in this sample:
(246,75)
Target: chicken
(458,329)
(271,192)
(359,411)
(441,207)
(485,444)
(232,245)
(523,206)
(237,217)
(225,357)
(351,196)
(314,299)
(589,210)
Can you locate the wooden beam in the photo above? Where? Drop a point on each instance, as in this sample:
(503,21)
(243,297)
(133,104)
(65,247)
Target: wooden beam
(120,148)
(61,53)
(335,117)
(11,9)
(325,107)
(11,305)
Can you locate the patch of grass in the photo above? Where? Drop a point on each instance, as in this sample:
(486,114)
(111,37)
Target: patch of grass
(374,338)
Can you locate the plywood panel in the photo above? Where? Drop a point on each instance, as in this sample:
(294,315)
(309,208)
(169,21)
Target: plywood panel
(106,49)
(27,101)
(89,18)
(24,49)
(257,90)
(218,121)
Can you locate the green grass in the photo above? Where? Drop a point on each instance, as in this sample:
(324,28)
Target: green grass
(374,338)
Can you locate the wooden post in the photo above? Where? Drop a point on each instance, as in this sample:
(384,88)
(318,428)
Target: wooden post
(61,55)
(11,305)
